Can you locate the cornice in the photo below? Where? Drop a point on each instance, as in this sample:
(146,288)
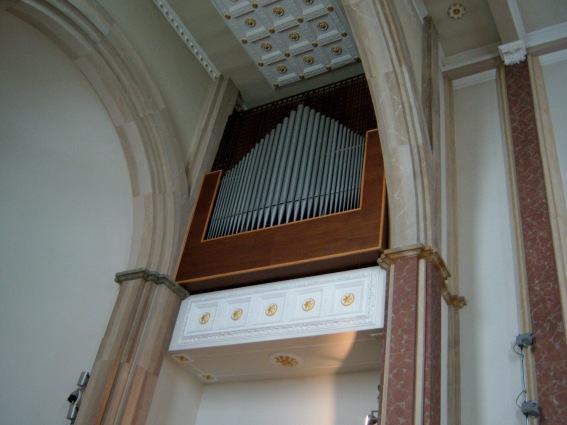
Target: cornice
(184,33)
(426,252)
(151,276)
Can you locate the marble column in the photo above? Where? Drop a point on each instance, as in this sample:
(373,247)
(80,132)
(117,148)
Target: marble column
(543,283)
(128,362)
(411,389)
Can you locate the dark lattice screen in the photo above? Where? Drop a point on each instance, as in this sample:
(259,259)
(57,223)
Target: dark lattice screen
(347,101)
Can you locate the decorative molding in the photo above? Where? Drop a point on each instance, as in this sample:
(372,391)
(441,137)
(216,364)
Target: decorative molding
(389,257)
(470,57)
(429,254)
(546,35)
(187,37)
(288,309)
(513,53)
(478,78)
(451,299)
(151,276)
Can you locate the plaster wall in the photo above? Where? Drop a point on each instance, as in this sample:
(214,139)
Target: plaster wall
(177,397)
(334,400)
(65,221)
(180,78)
(491,374)
(555,75)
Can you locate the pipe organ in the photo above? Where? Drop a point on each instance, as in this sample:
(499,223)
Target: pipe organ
(308,166)
(308,198)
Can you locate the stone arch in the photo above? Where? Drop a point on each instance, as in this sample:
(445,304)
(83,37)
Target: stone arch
(405,141)
(91,39)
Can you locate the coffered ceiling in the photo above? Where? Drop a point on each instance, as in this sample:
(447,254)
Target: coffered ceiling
(272,49)
(290,40)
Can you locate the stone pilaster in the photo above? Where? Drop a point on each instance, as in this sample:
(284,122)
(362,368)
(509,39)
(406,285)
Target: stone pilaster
(127,365)
(543,284)
(411,390)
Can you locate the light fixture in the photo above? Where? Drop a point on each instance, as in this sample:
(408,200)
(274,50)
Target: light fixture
(372,418)
(524,340)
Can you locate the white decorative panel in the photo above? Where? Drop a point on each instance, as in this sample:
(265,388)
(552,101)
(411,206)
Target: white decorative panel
(291,40)
(332,303)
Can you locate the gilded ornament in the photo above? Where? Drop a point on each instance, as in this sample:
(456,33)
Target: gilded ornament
(227,16)
(337,50)
(308,304)
(287,54)
(266,46)
(300,19)
(347,299)
(260,63)
(330,8)
(271,310)
(204,318)
(314,44)
(276,85)
(282,69)
(237,314)
(244,41)
(301,76)
(328,67)
(272,30)
(208,377)
(308,59)
(278,11)
(323,25)
(286,361)
(294,36)
(308,1)
(255,5)
(344,33)
(250,22)
(456,11)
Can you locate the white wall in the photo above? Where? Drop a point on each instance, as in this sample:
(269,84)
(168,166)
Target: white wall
(180,78)
(177,397)
(555,76)
(331,400)
(491,374)
(65,225)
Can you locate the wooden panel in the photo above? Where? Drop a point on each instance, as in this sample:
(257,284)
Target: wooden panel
(319,245)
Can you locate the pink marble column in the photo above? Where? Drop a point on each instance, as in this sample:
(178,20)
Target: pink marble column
(550,347)
(412,378)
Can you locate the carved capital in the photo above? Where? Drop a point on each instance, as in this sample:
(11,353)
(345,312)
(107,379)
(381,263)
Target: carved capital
(513,53)
(390,256)
(151,276)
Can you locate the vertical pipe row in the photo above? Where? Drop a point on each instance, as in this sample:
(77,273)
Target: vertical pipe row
(309,165)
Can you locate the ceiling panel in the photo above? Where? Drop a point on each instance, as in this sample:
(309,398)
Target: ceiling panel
(290,40)
(347,352)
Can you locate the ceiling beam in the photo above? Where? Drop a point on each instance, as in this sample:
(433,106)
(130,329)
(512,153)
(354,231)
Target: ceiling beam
(508,20)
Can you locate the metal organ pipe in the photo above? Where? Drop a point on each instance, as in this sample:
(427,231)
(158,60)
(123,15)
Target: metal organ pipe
(308,166)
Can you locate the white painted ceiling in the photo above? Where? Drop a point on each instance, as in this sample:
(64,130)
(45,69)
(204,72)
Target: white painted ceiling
(347,352)
(485,25)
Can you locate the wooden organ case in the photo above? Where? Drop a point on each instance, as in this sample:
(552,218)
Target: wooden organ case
(295,192)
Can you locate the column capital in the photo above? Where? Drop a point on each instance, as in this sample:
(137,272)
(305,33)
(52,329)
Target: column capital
(426,252)
(151,276)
